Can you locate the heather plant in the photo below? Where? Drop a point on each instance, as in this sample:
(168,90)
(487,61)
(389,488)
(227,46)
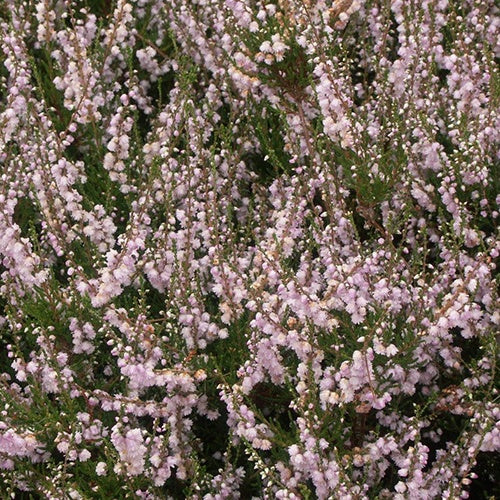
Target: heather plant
(249,249)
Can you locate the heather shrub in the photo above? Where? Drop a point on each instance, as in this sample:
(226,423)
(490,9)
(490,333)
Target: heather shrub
(249,249)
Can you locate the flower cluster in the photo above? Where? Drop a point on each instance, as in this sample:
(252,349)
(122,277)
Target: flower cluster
(249,249)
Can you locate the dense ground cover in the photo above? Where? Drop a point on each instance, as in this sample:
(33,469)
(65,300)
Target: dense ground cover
(249,249)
